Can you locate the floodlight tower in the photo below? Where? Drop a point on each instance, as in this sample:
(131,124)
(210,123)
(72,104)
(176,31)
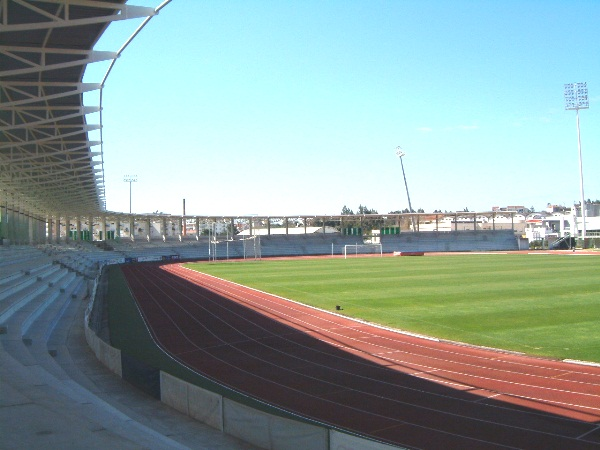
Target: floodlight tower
(400,153)
(576,97)
(130,179)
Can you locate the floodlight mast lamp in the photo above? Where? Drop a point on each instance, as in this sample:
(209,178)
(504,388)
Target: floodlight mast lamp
(400,153)
(130,179)
(576,97)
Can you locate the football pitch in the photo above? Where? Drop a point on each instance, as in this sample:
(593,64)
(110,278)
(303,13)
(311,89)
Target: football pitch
(539,304)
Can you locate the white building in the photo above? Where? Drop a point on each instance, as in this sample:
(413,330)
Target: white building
(551,226)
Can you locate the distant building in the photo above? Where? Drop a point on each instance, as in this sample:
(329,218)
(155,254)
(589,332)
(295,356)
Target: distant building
(550,208)
(555,225)
(520,209)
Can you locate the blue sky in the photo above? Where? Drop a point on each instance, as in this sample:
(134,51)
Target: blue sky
(290,108)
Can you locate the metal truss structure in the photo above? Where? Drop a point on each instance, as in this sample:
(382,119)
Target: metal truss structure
(49,167)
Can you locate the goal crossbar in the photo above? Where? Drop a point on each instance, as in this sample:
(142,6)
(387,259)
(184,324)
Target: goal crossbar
(362,249)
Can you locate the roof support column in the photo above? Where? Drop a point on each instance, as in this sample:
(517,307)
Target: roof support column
(163,228)
(39,230)
(78,229)
(49,230)
(30,228)
(131,229)
(21,227)
(91,228)
(32,231)
(16,225)
(148,229)
(103,228)
(67,229)
(12,224)
(3,222)
(57,228)
(13,219)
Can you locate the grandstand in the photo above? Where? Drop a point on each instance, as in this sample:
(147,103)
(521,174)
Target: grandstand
(53,391)
(56,237)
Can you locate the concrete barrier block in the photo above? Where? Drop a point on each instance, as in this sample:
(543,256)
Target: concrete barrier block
(245,423)
(289,434)
(269,431)
(206,406)
(93,342)
(174,392)
(107,355)
(110,356)
(343,441)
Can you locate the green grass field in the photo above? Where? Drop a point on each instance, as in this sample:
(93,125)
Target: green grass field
(547,305)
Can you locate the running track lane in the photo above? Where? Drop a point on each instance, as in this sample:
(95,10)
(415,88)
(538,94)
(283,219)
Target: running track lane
(393,387)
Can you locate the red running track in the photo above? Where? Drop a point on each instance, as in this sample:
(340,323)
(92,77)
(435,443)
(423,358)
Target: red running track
(392,387)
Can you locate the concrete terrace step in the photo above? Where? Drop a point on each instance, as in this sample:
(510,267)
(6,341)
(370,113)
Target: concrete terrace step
(28,329)
(17,300)
(54,393)
(10,271)
(59,413)
(41,326)
(25,306)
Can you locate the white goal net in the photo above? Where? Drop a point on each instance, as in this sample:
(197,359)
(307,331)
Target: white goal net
(362,249)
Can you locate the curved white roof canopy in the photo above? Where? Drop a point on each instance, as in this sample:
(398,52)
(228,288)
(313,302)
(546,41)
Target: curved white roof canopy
(48,164)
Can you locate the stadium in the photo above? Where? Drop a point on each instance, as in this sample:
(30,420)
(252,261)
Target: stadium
(109,340)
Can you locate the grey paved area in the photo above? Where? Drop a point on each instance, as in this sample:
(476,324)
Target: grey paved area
(71,401)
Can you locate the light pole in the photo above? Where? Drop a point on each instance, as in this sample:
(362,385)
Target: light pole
(576,97)
(130,179)
(400,153)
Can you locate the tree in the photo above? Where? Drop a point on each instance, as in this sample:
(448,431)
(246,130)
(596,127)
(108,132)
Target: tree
(407,211)
(361,210)
(364,210)
(367,224)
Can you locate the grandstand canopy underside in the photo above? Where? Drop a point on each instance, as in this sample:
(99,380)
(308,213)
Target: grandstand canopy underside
(49,167)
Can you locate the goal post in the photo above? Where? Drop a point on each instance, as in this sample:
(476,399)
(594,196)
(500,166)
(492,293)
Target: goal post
(252,247)
(362,249)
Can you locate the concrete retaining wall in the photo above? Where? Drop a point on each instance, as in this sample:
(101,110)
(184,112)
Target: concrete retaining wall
(107,355)
(271,432)
(261,429)
(343,441)
(198,403)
